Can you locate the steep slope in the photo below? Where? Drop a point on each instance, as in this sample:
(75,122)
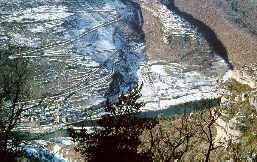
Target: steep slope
(233,21)
(183,64)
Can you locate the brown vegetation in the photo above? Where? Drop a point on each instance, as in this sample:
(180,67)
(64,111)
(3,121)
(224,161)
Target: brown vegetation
(156,47)
(173,48)
(240,44)
(187,137)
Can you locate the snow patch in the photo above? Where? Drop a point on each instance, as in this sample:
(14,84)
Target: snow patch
(41,13)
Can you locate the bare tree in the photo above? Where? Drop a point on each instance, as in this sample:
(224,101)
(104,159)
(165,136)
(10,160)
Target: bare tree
(185,137)
(118,138)
(171,139)
(14,90)
(205,124)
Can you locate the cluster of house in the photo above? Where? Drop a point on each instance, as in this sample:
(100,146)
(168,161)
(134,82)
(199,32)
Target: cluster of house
(51,115)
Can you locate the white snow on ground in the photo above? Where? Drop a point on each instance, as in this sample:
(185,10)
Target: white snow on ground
(37,29)
(49,16)
(37,20)
(56,149)
(42,154)
(171,23)
(108,6)
(20,39)
(158,69)
(163,89)
(41,142)
(41,13)
(67,141)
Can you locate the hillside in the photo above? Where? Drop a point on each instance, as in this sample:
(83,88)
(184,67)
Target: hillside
(233,21)
(81,54)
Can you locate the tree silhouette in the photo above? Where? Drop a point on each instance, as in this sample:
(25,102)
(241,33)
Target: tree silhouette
(118,136)
(14,90)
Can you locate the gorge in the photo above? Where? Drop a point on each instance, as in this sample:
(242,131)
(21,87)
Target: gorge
(83,52)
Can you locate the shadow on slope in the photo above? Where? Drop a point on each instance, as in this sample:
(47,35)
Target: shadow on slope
(180,109)
(202,28)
